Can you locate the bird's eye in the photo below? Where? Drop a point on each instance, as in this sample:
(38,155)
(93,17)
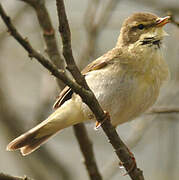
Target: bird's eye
(140,26)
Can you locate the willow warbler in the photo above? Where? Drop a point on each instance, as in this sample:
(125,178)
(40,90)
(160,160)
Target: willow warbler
(126,81)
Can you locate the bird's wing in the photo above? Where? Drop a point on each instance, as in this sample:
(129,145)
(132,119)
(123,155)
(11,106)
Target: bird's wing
(65,94)
(99,63)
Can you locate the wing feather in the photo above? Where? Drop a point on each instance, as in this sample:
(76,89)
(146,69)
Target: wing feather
(99,63)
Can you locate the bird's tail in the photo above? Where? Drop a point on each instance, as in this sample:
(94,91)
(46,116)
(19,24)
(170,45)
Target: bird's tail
(68,114)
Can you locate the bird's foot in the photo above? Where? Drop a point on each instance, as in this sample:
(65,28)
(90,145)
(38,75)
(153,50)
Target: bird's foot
(98,124)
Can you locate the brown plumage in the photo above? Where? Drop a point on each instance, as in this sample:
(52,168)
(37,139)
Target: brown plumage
(126,81)
(29,141)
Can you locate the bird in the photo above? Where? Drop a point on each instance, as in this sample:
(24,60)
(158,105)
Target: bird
(126,81)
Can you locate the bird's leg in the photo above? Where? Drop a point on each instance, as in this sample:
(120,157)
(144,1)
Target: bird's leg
(98,124)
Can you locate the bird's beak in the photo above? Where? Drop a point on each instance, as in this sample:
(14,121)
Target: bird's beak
(162,21)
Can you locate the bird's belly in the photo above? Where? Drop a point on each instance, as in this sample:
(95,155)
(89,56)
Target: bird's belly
(124,97)
(141,97)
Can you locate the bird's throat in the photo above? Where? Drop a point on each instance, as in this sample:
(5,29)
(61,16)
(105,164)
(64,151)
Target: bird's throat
(152,42)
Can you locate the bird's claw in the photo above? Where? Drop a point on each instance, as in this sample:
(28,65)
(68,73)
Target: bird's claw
(98,124)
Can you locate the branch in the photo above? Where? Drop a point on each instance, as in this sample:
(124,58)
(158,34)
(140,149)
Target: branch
(80,130)
(58,73)
(163,110)
(87,150)
(86,95)
(13,121)
(64,30)
(54,55)
(172,19)
(48,34)
(18,13)
(9,177)
(46,63)
(120,148)
(94,27)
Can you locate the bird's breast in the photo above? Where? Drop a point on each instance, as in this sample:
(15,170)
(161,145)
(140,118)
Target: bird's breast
(125,94)
(136,95)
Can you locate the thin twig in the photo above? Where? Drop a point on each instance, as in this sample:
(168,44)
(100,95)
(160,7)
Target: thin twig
(163,110)
(18,13)
(87,150)
(172,19)
(41,59)
(94,27)
(86,95)
(14,124)
(64,30)
(48,34)
(8,177)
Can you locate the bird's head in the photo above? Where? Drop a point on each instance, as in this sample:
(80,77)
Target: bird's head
(143,29)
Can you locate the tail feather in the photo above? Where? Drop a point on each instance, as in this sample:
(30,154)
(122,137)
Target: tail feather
(68,114)
(29,141)
(35,144)
(21,141)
